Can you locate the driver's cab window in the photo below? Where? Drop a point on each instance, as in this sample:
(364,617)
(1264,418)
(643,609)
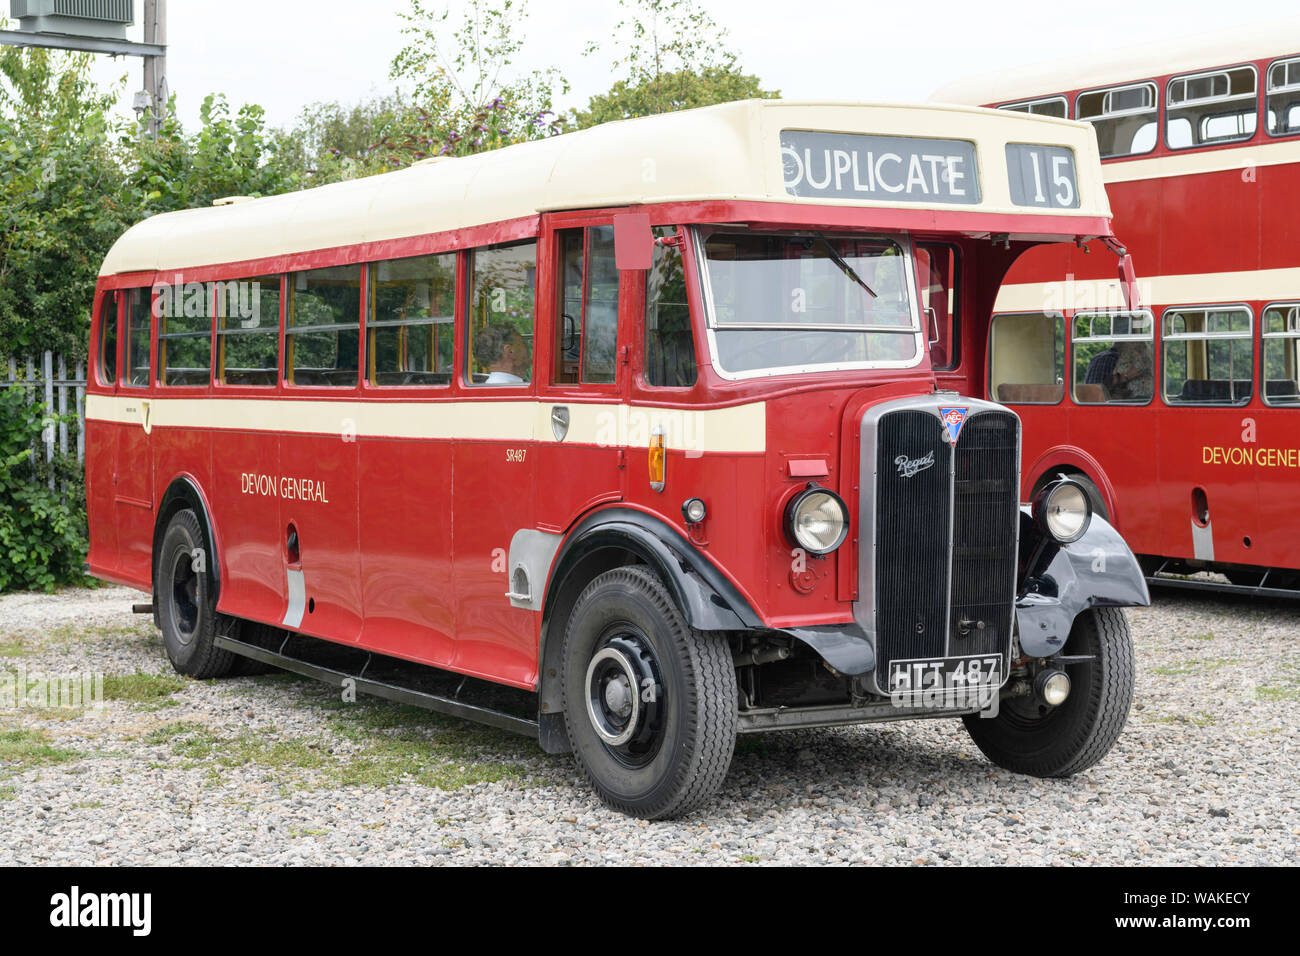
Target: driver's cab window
(937,276)
(587,329)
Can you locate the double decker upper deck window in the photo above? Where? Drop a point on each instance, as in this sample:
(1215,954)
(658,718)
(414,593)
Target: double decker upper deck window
(1282,101)
(809,300)
(1124,117)
(1208,356)
(502,283)
(409,329)
(1204,109)
(322,333)
(1048,106)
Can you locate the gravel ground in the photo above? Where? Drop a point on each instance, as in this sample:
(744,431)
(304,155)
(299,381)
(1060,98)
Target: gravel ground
(274,769)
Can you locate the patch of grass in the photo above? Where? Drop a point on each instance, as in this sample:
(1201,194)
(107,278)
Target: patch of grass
(1197,719)
(748,858)
(88,805)
(7,793)
(21,749)
(1278,692)
(140,688)
(1199,637)
(1194,667)
(12,648)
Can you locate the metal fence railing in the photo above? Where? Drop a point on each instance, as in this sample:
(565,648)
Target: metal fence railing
(59,394)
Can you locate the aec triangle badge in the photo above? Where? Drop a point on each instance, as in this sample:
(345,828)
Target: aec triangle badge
(953,419)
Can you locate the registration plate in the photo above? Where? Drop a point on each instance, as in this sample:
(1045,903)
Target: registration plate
(946,673)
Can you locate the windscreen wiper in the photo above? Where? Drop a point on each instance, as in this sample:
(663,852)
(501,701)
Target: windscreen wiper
(847,269)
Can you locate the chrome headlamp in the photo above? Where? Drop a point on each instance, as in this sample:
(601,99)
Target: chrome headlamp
(1062,510)
(817,520)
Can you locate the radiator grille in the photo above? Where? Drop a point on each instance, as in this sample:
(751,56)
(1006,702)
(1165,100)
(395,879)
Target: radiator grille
(945,541)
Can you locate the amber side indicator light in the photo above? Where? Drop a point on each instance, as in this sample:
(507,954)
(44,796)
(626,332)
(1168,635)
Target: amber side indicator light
(658,459)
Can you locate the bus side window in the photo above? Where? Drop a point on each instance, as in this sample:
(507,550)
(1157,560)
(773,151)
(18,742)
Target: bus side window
(1282,102)
(587,330)
(108,339)
(185,333)
(248,330)
(1208,356)
(139,327)
(937,274)
(1114,358)
(1027,359)
(1206,108)
(410,322)
(1123,116)
(1282,354)
(503,286)
(322,333)
(669,342)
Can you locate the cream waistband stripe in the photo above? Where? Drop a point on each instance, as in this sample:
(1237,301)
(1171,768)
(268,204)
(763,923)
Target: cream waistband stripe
(737,429)
(1268,285)
(1192,163)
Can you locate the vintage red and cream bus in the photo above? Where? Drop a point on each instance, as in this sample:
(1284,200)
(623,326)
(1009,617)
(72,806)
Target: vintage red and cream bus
(1182,420)
(629,439)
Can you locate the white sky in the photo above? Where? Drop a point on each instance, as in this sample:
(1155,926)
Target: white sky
(285,54)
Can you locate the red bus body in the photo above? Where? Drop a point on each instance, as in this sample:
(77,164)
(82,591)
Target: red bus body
(1211,225)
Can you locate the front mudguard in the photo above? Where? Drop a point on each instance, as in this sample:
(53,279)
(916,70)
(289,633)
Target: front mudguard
(1060,581)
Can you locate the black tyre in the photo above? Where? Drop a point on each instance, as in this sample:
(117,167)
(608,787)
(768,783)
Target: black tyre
(1032,738)
(649,703)
(185,605)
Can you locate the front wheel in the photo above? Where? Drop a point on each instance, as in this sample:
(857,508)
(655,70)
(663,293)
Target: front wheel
(649,703)
(1033,738)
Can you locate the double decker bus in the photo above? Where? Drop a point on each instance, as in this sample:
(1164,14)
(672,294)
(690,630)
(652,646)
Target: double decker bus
(1182,419)
(628,439)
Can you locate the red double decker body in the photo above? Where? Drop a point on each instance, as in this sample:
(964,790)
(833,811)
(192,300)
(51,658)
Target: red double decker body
(640,424)
(1184,418)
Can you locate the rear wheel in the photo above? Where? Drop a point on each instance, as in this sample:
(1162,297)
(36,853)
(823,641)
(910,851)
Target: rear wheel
(649,703)
(1033,738)
(185,605)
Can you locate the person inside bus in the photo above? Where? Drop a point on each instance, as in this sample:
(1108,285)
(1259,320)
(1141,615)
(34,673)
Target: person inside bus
(500,350)
(1125,369)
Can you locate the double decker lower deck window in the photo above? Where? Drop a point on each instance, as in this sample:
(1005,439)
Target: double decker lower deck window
(1281,327)
(409,328)
(322,336)
(1027,358)
(1114,358)
(248,330)
(1208,356)
(184,313)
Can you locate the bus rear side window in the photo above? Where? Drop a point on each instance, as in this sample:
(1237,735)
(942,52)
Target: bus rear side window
(669,343)
(108,338)
(184,333)
(1027,359)
(409,328)
(1124,117)
(248,331)
(139,328)
(1114,358)
(322,336)
(1208,356)
(502,282)
(1282,354)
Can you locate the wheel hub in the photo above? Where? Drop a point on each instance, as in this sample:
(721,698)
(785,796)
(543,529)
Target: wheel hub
(625,696)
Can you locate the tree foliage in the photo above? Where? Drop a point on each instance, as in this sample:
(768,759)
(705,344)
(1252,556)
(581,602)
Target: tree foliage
(672,56)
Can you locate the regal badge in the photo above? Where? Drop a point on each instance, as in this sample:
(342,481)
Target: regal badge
(953,419)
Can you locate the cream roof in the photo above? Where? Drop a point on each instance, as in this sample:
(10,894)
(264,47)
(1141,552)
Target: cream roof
(730,151)
(1257,41)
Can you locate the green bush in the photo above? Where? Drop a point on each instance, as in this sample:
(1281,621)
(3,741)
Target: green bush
(42,537)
